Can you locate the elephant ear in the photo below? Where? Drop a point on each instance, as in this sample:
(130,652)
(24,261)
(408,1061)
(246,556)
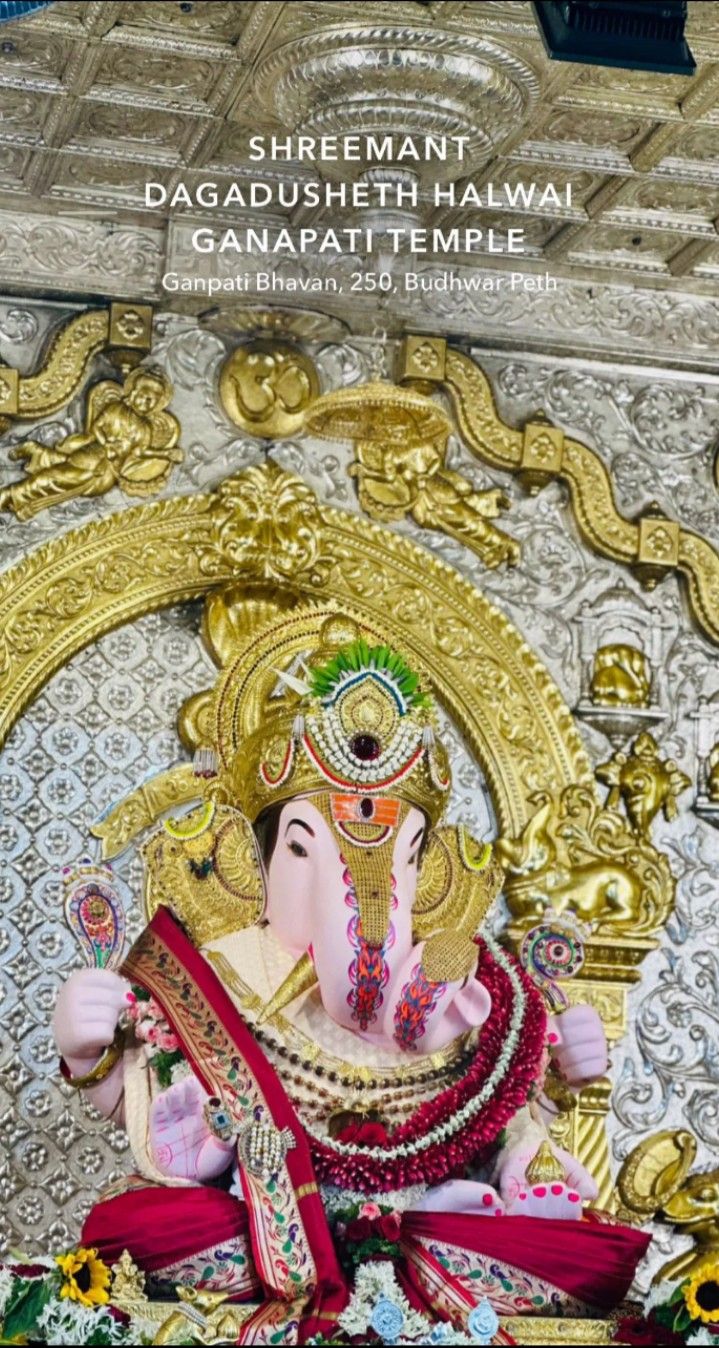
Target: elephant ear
(458,883)
(206,867)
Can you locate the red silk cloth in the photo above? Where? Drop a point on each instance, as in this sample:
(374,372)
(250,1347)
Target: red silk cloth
(222,1051)
(593,1261)
(163,1226)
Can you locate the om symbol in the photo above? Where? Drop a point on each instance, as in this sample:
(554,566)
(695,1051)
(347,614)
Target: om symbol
(266,388)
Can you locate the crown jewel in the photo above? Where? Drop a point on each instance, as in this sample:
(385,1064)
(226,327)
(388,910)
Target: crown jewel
(358,722)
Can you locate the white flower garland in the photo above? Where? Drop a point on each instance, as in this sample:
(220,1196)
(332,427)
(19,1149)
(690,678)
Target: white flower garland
(335,1199)
(375,1282)
(68,1322)
(378,1303)
(443,1131)
(6,1282)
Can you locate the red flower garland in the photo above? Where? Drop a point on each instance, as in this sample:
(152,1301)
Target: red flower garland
(448,1158)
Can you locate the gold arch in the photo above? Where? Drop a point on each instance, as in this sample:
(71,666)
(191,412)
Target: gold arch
(267,525)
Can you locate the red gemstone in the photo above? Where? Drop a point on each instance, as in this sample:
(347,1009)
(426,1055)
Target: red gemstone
(365,747)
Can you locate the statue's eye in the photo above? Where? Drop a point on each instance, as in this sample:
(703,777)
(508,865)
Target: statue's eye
(297,849)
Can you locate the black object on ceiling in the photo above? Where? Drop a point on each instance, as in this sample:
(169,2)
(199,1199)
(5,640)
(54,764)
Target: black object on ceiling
(634,34)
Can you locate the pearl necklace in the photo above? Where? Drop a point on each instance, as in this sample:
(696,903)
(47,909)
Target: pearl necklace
(442,1132)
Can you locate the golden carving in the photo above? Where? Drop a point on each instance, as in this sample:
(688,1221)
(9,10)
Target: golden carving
(400,440)
(129,441)
(694,1211)
(608,1001)
(582,1131)
(131,326)
(54,384)
(265,388)
(542,454)
(535,1329)
(206,1319)
(9,389)
(621,677)
(203,1318)
(394,481)
(378,413)
(713,775)
(137,811)
(653,545)
(658,543)
(655,1180)
(266,525)
(575,855)
(653,1172)
(644,783)
(32,397)
(456,886)
(128,1283)
(207,869)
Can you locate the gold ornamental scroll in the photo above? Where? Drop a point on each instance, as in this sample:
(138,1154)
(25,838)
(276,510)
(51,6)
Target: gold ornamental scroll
(267,525)
(125,327)
(652,545)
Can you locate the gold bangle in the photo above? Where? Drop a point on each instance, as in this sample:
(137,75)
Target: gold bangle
(102,1068)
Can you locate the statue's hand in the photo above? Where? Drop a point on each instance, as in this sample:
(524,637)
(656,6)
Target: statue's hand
(180,1139)
(437,996)
(87,1011)
(581,1051)
(551,1198)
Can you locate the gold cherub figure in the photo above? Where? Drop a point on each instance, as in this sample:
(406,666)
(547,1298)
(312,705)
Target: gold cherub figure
(645,783)
(398,479)
(129,441)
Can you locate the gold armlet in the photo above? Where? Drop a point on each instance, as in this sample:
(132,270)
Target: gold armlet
(102,1069)
(559,1092)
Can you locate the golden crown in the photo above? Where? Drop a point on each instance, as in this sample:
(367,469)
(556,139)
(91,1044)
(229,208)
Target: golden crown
(353,721)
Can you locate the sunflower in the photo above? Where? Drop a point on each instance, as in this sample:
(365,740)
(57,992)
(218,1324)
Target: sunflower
(86,1277)
(701,1295)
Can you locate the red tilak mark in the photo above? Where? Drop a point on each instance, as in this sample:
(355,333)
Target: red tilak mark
(553,1038)
(540,1191)
(522,1197)
(573,1198)
(498,1212)
(557,1188)
(487,1200)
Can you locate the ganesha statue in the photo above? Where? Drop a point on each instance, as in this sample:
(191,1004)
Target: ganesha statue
(320,1054)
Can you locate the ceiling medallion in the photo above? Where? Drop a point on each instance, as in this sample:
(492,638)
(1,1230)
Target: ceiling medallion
(296,324)
(401,81)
